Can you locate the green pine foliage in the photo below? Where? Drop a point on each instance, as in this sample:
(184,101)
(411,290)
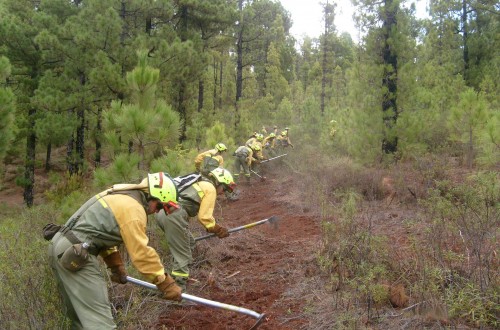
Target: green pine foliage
(6,109)
(145,125)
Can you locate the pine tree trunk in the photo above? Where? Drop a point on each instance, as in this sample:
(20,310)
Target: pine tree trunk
(215,69)
(29,167)
(239,54)
(390,76)
(98,134)
(182,110)
(201,92)
(80,142)
(47,157)
(220,85)
(465,34)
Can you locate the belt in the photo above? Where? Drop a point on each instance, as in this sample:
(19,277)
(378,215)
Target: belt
(66,232)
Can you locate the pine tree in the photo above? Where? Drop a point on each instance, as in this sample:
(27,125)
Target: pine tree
(6,109)
(146,125)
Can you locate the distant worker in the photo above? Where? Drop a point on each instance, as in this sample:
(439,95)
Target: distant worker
(258,138)
(275,130)
(263,130)
(333,128)
(287,129)
(283,140)
(269,141)
(269,144)
(245,156)
(113,217)
(197,198)
(210,159)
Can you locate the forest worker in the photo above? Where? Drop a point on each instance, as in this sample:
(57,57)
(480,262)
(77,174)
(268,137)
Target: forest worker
(115,216)
(258,138)
(269,143)
(244,158)
(284,140)
(196,199)
(210,159)
(333,127)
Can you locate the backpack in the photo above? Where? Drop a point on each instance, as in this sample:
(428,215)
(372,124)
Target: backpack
(208,164)
(185,181)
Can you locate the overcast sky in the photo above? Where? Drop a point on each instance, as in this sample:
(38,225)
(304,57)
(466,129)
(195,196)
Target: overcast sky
(307,17)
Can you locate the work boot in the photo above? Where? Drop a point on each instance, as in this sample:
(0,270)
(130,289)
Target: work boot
(182,282)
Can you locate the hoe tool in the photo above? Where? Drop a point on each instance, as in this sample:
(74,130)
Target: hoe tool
(206,302)
(266,160)
(272,220)
(262,178)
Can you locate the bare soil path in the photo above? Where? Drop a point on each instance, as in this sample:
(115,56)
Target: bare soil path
(257,268)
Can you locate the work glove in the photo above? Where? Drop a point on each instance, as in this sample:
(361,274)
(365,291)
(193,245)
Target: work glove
(171,291)
(115,264)
(219,231)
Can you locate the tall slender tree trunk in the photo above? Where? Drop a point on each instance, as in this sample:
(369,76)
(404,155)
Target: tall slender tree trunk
(465,35)
(98,135)
(390,76)
(220,85)
(201,92)
(80,142)
(181,108)
(324,67)
(239,63)
(69,156)
(47,157)
(215,72)
(29,166)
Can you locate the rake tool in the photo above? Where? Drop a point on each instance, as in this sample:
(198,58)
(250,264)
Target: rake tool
(262,178)
(206,302)
(272,220)
(266,160)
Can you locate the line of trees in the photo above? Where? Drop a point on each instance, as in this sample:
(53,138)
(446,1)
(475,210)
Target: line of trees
(129,78)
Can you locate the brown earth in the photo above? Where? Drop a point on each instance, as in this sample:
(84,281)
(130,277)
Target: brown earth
(257,268)
(272,270)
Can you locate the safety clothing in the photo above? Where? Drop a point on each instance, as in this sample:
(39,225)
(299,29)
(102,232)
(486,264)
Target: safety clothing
(259,137)
(224,177)
(108,219)
(221,147)
(171,291)
(196,200)
(269,141)
(162,187)
(251,141)
(115,264)
(244,158)
(220,231)
(208,160)
(283,141)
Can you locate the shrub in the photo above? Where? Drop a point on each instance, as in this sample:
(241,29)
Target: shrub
(29,293)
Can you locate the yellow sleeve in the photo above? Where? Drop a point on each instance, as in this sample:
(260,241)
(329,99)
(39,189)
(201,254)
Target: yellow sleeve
(220,160)
(132,220)
(208,196)
(199,159)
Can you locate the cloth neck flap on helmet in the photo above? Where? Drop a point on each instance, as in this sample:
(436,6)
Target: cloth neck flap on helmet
(185,181)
